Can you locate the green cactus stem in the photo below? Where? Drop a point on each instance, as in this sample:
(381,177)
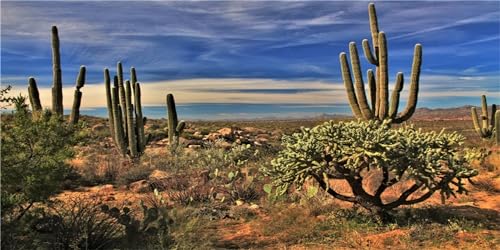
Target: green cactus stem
(57,95)
(75,111)
(118,119)
(486,128)
(121,91)
(378,83)
(34,96)
(140,120)
(109,102)
(131,133)
(497,127)
(175,128)
(127,128)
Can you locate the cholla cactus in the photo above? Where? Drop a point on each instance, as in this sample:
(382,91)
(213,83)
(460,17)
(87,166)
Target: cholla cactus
(125,115)
(489,125)
(378,84)
(175,127)
(351,150)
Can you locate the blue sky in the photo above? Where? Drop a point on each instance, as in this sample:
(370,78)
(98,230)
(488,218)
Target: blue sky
(251,52)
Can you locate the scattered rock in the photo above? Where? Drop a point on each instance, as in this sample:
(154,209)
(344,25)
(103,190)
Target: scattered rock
(213,136)
(254,206)
(194,146)
(158,175)
(141,186)
(223,144)
(98,128)
(239,202)
(226,133)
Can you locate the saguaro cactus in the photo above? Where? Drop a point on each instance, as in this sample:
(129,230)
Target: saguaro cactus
(175,128)
(75,111)
(497,127)
(125,116)
(378,84)
(57,96)
(489,125)
(36,105)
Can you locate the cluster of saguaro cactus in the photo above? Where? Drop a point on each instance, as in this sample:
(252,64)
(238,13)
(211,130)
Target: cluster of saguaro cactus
(490,126)
(378,83)
(57,96)
(125,118)
(175,127)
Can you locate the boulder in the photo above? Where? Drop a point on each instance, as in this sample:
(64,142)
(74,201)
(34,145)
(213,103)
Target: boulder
(226,132)
(98,128)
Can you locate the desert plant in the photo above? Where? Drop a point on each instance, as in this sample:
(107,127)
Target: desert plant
(125,118)
(489,126)
(4,99)
(34,158)
(429,161)
(378,84)
(57,95)
(78,223)
(175,127)
(154,222)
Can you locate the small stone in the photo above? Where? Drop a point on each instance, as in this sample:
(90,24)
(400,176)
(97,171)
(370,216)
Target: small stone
(194,146)
(239,202)
(98,128)
(254,206)
(141,186)
(226,132)
(158,175)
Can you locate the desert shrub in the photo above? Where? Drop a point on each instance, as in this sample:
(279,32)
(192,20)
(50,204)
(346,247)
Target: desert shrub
(34,158)
(349,150)
(195,195)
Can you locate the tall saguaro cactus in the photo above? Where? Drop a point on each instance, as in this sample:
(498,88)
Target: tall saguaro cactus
(378,83)
(57,96)
(489,126)
(125,114)
(175,127)
(75,111)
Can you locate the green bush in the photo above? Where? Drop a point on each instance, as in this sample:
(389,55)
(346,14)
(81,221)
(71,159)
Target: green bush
(350,150)
(34,158)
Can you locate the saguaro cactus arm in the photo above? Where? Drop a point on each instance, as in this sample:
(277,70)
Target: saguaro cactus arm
(346,76)
(57,96)
(358,81)
(75,111)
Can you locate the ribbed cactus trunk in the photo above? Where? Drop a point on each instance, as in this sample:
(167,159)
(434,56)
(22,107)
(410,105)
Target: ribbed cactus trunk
(175,128)
(497,127)
(121,91)
(131,132)
(57,96)
(126,118)
(141,138)
(36,105)
(119,135)
(485,128)
(378,83)
(109,102)
(75,111)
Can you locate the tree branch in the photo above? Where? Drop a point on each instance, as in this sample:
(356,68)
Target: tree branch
(332,192)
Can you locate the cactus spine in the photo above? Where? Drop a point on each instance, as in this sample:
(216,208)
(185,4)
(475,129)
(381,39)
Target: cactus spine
(488,127)
(75,111)
(57,96)
(125,118)
(175,128)
(381,108)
